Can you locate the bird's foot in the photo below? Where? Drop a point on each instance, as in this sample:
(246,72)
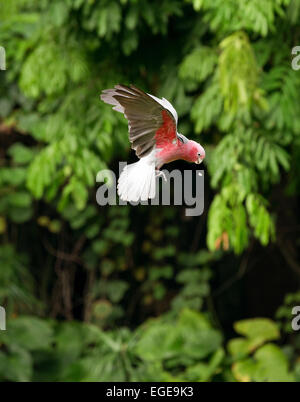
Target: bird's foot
(160,173)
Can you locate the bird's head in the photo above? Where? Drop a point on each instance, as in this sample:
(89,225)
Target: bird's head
(190,150)
(196,152)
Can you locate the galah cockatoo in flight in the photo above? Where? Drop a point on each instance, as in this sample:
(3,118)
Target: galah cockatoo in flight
(152,124)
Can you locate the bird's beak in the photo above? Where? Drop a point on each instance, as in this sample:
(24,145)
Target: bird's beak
(199,160)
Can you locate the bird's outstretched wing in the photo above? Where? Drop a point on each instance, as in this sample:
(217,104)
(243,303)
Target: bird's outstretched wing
(152,122)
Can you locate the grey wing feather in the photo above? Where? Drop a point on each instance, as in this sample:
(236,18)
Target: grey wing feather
(144,115)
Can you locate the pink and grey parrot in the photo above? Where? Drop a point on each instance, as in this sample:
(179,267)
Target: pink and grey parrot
(152,124)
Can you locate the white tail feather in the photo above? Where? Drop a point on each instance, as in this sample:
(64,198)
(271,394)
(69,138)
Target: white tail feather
(137,181)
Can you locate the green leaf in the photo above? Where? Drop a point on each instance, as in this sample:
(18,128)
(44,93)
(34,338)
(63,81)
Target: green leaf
(30,333)
(258,330)
(20,153)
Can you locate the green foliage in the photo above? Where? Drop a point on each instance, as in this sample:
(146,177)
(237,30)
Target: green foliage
(226,68)
(256,16)
(195,282)
(184,347)
(185,343)
(199,64)
(257,331)
(237,72)
(42,350)
(246,104)
(266,362)
(16,281)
